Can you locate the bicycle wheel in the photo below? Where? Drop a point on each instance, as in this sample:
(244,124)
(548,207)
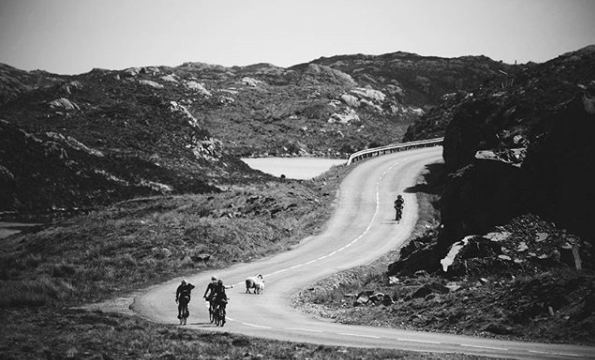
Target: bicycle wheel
(212,313)
(185,314)
(216,316)
(221,317)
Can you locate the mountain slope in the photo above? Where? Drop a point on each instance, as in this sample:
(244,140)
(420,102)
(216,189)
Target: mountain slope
(515,196)
(530,129)
(109,135)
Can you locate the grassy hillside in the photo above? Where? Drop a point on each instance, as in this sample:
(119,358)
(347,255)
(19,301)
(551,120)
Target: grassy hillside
(48,272)
(111,135)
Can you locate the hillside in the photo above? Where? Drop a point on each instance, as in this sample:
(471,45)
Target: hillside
(508,211)
(509,251)
(522,142)
(90,140)
(108,135)
(516,195)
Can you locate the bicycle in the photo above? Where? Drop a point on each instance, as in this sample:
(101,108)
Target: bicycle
(219,315)
(211,311)
(399,214)
(184,314)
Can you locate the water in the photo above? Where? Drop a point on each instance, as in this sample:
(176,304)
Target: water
(11,228)
(293,168)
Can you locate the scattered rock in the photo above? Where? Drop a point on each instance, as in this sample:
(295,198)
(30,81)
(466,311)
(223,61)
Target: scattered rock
(387,300)
(541,236)
(371,94)
(522,247)
(348,116)
(252,82)
(198,87)
(63,103)
(200,258)
(393,280)
(498,236)
(428,289)
(497,329)
(169,78)
(151,83)
(161,253)
(350,100)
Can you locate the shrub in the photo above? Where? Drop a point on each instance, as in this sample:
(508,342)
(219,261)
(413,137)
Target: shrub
(37,292)
(62,270)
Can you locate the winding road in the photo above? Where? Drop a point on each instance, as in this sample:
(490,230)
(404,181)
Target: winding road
(361,230)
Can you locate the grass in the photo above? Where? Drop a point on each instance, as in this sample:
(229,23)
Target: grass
(137,243)
(79,334)
(47,274)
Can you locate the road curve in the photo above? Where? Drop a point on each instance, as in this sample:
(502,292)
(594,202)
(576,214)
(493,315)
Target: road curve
(361,229)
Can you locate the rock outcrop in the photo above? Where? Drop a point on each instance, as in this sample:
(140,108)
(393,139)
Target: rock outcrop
(520,144)
(188,120)
(548,116)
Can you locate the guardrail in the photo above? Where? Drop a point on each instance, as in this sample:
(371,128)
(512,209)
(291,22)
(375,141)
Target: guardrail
(363,154)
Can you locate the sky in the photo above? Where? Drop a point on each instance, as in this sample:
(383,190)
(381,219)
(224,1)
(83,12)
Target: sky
(75,36)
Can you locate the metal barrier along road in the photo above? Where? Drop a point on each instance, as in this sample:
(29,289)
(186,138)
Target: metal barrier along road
(362,154)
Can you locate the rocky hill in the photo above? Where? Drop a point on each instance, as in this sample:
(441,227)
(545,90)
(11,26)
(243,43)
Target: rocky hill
(107,135)
(515,198)
(520,143)
(503,246)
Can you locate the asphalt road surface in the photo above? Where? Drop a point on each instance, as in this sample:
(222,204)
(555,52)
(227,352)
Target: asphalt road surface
(361,229)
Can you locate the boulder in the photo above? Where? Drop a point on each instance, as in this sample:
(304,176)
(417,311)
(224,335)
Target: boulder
(370,94)
(200,258)
(252,82)
(497,329)
(329,74)
(427,289)
(198,87)
(169,78)
(364,297)
(348,116)
(350,100)
(151,83)
(63,103)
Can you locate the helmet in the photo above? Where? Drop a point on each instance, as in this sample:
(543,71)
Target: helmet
(399,196)
(183,282)
(213,278)
(220,282)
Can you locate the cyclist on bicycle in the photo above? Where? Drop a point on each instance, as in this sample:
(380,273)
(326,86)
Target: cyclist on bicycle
(399,207)
(183,296)
(220,297)
(210,291)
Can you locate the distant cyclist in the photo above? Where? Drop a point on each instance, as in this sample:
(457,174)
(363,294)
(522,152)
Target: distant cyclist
(399,203)
(183,296)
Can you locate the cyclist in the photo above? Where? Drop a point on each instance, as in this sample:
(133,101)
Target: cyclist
(399,203)
(210,292)
(220,297)
(183,296)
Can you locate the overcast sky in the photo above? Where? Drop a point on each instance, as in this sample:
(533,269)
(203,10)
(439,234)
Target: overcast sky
(74,36)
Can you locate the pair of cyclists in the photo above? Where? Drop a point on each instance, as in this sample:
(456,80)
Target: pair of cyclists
(215,294)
